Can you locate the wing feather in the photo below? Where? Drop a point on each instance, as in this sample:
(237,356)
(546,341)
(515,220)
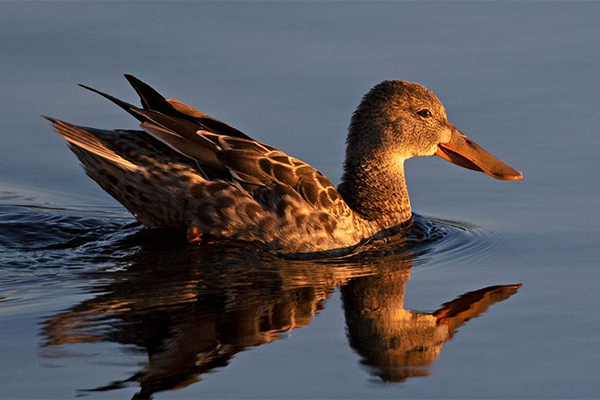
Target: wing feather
(152,100)
(214,145)
(267,167)
(182,145)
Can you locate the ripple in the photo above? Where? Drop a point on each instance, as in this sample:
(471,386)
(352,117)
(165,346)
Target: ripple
(463,246)
(50,243)
(45,245)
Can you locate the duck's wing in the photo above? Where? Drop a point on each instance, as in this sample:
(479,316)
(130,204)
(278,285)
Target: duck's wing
(263,166)
(218,149)
(154,103)
(172,127)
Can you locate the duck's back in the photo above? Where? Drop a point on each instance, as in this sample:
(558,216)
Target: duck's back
(190,172)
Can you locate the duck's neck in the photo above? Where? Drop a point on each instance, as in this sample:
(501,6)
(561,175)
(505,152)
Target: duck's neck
(376,190)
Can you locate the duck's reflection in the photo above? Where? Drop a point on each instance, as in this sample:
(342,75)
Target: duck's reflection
(190,317)
(396,343)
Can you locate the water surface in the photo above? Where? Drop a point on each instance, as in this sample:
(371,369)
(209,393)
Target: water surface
(92,304)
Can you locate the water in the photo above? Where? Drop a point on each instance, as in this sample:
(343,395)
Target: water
(92,304)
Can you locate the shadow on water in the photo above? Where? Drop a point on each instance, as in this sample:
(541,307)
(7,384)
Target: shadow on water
(191,309)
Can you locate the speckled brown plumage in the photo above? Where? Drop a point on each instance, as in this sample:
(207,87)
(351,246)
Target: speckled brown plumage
(192,173)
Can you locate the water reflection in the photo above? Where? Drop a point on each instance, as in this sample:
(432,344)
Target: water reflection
(192,309)
(396,343)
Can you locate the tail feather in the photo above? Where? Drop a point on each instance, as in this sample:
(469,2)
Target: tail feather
(80,137)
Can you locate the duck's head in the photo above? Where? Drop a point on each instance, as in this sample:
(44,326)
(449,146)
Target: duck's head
(398,120)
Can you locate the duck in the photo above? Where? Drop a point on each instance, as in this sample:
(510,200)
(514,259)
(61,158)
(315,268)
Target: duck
(210,182)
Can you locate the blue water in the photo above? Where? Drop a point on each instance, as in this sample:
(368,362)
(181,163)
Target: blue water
(94,305)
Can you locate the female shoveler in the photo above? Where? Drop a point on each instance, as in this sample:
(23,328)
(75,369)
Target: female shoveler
(193,173)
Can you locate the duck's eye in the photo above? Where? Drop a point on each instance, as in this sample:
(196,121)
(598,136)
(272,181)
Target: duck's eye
(424,113)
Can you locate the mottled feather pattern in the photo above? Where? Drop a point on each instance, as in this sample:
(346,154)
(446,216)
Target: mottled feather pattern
(191,172)
(151,173)
(258,164)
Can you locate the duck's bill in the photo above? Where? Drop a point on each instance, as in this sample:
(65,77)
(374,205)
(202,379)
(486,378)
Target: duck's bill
(462,151)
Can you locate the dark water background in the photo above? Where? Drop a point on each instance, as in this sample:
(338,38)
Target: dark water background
(91,304)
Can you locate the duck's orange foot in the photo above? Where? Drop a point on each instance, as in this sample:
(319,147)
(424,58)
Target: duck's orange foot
(194,236)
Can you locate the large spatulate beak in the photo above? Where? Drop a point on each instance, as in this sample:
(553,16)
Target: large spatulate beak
(462,151)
